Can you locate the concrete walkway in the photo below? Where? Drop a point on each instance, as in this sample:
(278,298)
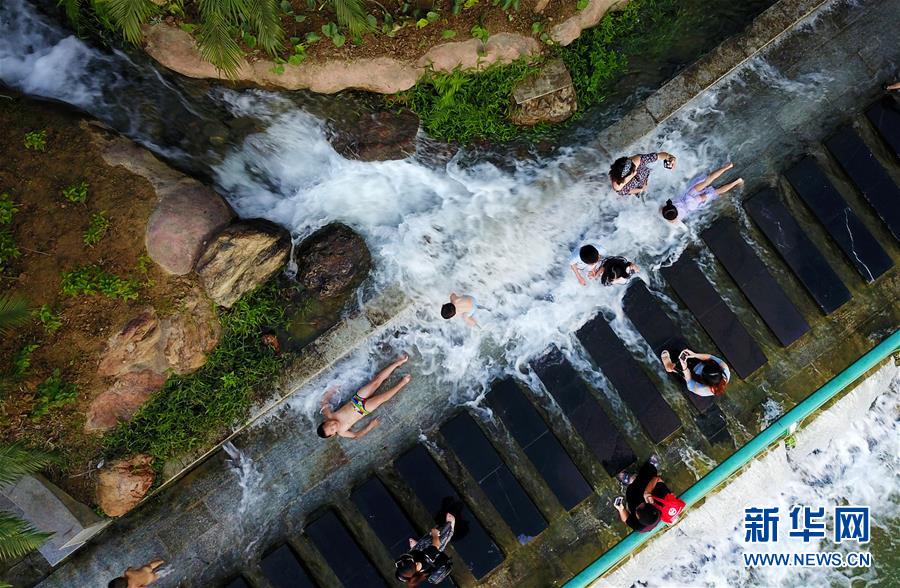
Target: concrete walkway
(766,113)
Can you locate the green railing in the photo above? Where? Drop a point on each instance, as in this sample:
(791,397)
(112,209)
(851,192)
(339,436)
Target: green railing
(744,455)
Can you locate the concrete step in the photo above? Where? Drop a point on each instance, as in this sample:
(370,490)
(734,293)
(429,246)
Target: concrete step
(344,555)
(885,117)
(798,251)
(754,280)
(283,569)
(843,225)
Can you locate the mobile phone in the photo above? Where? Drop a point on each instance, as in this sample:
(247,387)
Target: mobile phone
(618,501)
(683,355)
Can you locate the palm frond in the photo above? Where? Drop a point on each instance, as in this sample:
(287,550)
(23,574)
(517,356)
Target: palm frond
(16,461)
(128,16)
(214,40)
(265,18)
(73,10)
(17,537)
(351,14)
(13,312)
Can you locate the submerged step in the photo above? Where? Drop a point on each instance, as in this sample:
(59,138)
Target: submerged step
(869,176)
(238,582)
(750,274)
(419,470)
(282,568)
(538,442)
(343,554)
(655,326)
(630,381)
(392,527)
(798,251)
(476,453)
(832,211)
(885,116)
(741,351)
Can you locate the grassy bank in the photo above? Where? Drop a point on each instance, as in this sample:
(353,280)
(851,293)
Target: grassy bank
(469,106)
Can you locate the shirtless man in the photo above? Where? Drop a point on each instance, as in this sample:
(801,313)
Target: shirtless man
(363,402)
(463,306)
(137,577)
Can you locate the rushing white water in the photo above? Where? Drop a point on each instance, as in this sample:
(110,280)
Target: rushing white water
(848,455)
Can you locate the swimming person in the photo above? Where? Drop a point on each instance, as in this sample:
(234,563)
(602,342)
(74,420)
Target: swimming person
(464,306)
(137,577)
(617,270)
(647,499)
(700,192)
(585,261)
(629,175)
(426,559)
(363,403)
(703,374)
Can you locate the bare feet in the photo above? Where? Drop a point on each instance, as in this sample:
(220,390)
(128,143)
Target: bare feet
(405,380)
(404,357)
(667,361)
(739,182)
(728,166)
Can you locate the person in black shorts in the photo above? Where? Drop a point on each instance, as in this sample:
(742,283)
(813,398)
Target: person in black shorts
(426,559)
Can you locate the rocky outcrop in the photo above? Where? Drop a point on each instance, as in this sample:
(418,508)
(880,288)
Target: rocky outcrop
(145,350)
(379,136)
(242,257)
(569,30)
(547,96)
(187,214)
(332,262)
(122,484)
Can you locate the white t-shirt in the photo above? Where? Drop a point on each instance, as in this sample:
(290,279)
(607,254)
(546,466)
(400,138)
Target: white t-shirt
(576,257)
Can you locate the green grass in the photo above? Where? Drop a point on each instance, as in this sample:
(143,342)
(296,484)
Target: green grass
(469,106)
(92,279)
(76,193)
(36,141)
(192,411)
(96,229)
(53,393)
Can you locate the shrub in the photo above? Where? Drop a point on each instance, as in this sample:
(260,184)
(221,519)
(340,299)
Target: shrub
(36,140)
(76,193)
(7,209)
(191,410)
(91,279)
(96,229)
(53,393)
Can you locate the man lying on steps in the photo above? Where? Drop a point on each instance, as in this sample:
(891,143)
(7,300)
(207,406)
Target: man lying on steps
(363,402)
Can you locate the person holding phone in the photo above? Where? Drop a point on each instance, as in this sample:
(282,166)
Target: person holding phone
(636,509)
(703,374)
(630,175)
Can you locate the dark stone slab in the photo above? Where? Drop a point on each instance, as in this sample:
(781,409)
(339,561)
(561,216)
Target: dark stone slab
(239,582)
(392,527)
(829,207)
(605,441)
(629,379)
(538,443)
(477,454)
(655,326)
(342,552)
(873,182)
(727,332)
(434,490)
(885,117)
(798,251)
(755,281)
(282,568)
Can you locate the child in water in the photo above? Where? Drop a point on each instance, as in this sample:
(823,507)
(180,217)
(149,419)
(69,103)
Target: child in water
(700,192)
(464,306)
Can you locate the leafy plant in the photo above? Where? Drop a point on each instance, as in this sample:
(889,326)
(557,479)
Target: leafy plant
(96,229)
(448,34)
(47,318)
(92,279)
(190,410)
(53,393)
(508,5)
(479,32)
(331,31)
(17,537)
(21,360)
(8,248)
(36,140)
(76,193)
(581,4)
(470,3)
(7,209)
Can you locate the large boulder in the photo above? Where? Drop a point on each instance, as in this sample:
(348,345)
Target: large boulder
(332,262)
(190,334)
(180,227)
(241,257)
(122,399)
(379,136)
(122,484)
(548,96)
(135,347)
